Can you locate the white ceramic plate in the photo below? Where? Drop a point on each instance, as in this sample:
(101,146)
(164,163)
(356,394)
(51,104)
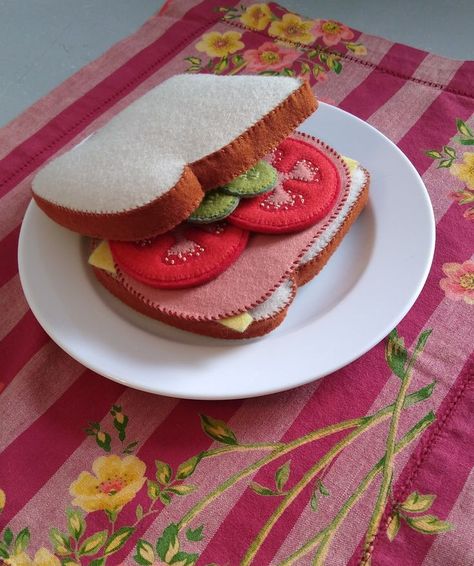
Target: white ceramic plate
(365,290)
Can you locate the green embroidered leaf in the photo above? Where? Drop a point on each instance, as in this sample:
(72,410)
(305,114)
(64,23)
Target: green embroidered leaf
(323,57)
(187,468)
(75,523)
(167,545)
(218,430)
(163,472)
(8,536)
(269,73)
(396,353)
(468,141)
(335,65)
(393,527)
(314,501)
(97,562)
(428,524)
(118,539)
(417,503)
(60,542)
(130,447)
(69,562)
(316,70)
(422,340)
(153,490)
(103,440)
(463,128)
(221,66)
(195,535)
(450,151)
(434,154)
(322,488)
(3,551)
(111,515)
(444,163)
(184,559)
(261,490)
(22,540)
(165,498)
(313,53)
(183,489)
(139,512)
(288,72)
(93,543)
(193,60)
(282,475)
(305,69)
(420,395)
(145,554)
(237,60)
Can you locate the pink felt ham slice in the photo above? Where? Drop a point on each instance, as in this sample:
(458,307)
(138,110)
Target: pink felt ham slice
(184,257)
(306,189)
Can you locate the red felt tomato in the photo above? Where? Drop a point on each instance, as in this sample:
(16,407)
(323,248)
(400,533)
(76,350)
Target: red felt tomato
(306,189)
(184,257)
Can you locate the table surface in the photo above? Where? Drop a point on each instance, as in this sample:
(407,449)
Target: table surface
(44,42)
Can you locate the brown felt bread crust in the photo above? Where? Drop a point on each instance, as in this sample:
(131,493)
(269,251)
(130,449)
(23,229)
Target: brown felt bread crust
(213,170)
(307,271)
(136,224)
(206,328)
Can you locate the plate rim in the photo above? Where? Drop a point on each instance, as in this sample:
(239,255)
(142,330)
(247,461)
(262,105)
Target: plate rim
(267,390)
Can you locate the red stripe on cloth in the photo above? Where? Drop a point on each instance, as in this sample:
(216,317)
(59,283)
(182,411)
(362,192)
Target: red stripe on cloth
(32,153)
(8,256)
(20,345)
(433,127)
(381,84)
(177,439)
(440,466)
(41,449)
(463,82)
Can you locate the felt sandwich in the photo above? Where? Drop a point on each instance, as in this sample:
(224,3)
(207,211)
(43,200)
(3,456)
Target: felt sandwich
(206,209)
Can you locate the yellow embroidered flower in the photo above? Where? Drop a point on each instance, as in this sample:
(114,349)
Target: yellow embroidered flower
(115,483)
(465,172)
(217,44)
(2,500)
(256,16)
(292,28)
(42,558)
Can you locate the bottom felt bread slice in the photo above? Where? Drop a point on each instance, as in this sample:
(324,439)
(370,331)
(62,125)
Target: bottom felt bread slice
(262,323)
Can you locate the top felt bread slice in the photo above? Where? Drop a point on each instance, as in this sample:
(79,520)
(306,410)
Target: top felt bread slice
(147,169)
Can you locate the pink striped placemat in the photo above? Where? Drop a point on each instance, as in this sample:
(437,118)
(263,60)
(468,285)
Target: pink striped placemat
(370,465)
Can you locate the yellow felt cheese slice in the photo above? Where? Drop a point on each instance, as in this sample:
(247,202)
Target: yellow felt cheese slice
(102,258)
(239,322)
(351,163)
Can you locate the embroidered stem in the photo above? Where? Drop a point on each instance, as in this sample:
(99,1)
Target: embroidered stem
(382,496)
(238,69)
(415,397)
(331,529)
(305,480)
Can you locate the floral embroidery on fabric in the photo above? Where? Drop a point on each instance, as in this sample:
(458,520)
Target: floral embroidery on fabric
(462,169)
(459,283)
(287,52)
(117,480)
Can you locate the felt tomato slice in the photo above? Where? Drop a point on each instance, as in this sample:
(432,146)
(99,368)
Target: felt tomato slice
(306,189)
(184,257)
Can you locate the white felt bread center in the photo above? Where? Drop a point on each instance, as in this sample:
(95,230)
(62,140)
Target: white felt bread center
(143,153)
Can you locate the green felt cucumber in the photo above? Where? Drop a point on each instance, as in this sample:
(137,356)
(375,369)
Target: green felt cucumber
(257,180)
(215,206)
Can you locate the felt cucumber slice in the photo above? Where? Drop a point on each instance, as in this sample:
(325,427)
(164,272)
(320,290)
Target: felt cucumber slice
(257,180)
(214,206)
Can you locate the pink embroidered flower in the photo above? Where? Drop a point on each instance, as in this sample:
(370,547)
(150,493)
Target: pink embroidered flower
(270,57)
(332,32)
(459,283)
(469,213)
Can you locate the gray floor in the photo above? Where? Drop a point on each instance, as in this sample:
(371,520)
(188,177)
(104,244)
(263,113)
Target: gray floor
(42,42)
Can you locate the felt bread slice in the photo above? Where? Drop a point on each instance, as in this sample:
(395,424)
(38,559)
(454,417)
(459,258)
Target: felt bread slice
(147,169)
(235,304)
